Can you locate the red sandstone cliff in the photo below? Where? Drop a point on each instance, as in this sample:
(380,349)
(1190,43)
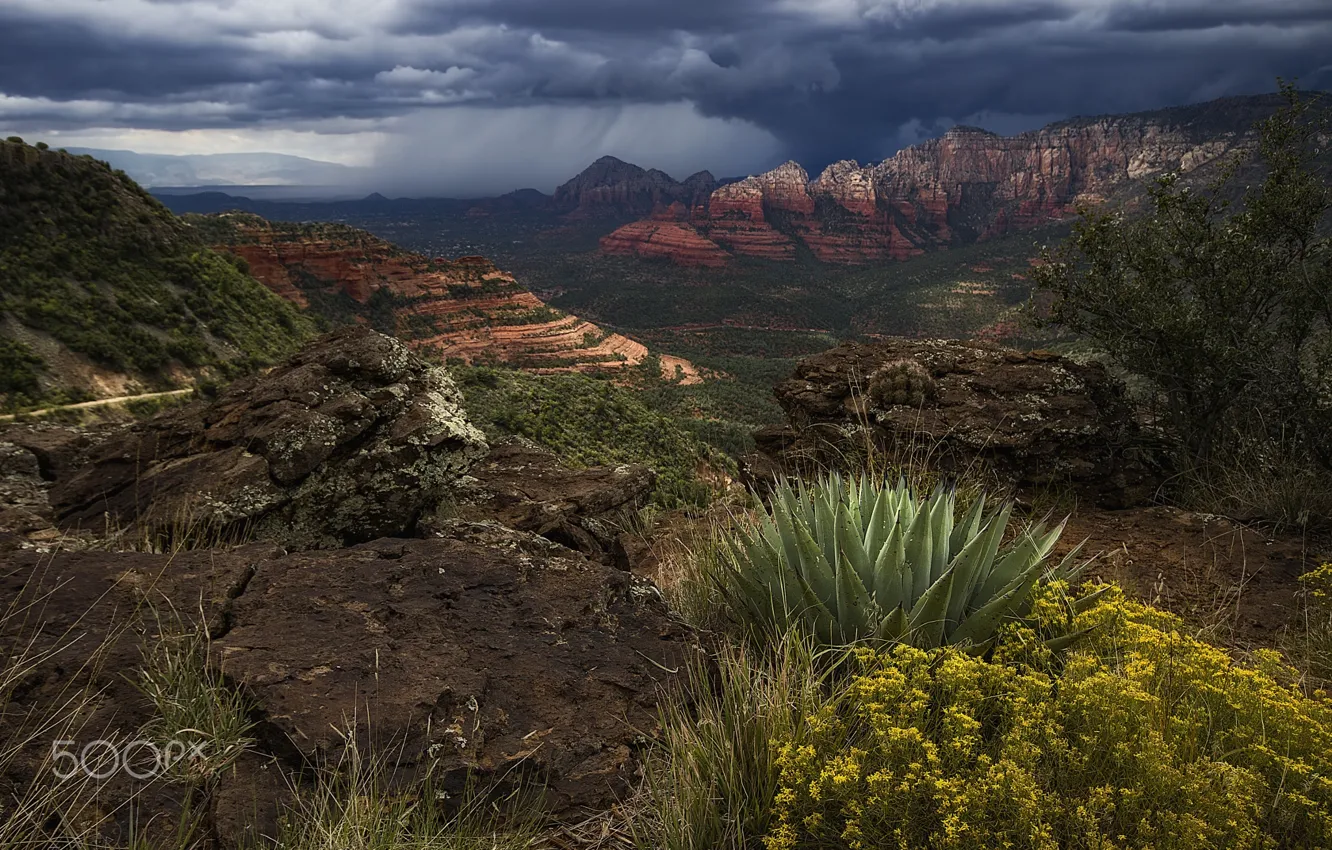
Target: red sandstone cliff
(464,308)
(968,185)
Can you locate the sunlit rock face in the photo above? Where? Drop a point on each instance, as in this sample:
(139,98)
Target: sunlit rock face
(968,185)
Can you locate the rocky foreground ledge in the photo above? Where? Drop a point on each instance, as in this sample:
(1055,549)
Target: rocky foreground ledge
(463,608)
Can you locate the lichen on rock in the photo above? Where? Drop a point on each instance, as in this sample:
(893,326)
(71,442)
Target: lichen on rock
(353,438)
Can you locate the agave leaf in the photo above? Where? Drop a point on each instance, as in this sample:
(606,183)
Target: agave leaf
(888,568)
(981,624)
(941,530)
(879,522)
(968,528)
(769,570)
(1063,642)
(814,568)
(825,527)
(1065,568)
(853,604)
(973,562)
(787,521)
(929,616)
(894,625)
(1084,604)
(919,551)
(853,550)
(862,496)
(754,596)
(1025,552)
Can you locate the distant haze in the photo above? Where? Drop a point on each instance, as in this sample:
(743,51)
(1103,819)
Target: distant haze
(226,169)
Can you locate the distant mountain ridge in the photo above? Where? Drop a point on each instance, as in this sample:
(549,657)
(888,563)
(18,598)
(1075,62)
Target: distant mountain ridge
(219,169)
(967,185)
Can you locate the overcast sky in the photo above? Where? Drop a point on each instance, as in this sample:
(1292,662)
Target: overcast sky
(483,96)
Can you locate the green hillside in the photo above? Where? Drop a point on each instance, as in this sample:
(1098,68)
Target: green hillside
(103,290)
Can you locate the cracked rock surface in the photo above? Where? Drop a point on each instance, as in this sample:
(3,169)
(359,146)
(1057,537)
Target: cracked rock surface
(484,650)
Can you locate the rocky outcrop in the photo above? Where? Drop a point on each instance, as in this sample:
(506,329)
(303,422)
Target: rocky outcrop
(353,438)
(466,308)
(491,651)
(526,487)
(1031,419)
(483,653)
(969,184)
(32,458)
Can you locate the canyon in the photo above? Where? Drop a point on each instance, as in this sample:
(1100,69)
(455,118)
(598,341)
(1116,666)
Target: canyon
(464,309)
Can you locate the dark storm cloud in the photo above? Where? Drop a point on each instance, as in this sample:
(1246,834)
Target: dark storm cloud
(828,78)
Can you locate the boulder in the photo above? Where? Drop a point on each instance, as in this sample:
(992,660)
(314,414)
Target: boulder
(31,457)
(528,488)
(1032,419)
(351,439)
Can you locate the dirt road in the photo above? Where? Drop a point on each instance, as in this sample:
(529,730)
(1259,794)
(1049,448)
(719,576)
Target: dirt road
(101,402)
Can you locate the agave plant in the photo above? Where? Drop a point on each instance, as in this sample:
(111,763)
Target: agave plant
(853,560)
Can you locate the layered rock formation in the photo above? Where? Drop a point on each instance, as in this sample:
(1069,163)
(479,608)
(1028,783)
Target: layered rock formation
(472,651)
(676,241)
(466,308)
(968,185)
(487,655)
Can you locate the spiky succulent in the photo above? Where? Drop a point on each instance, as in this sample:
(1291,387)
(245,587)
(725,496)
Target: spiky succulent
(853,560)
(901,382)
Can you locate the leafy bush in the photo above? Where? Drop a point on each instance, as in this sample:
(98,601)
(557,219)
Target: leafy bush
(851,560)
(1143,737)
(18,369)
(591,422)
(1223,308)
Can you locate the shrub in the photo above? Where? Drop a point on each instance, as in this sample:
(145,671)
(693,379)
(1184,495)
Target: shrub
(1222,308)
(1312,644)
(589,421)
(1143,737)
(850,560)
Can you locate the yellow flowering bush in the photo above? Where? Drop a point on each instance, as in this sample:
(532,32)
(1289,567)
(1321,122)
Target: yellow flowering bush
(1142,737)
(1312,645)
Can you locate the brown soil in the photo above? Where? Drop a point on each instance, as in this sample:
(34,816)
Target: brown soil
(1239,584)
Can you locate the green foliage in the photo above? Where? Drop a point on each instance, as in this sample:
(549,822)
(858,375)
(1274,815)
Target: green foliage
(852,560)
(1143,737)
(590,422)
(92,260)
(18,369)
(1225,309)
